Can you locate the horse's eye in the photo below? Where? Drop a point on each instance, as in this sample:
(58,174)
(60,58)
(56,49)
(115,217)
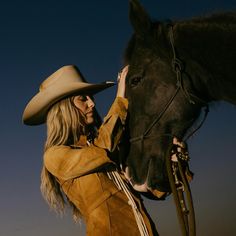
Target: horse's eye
(135,81)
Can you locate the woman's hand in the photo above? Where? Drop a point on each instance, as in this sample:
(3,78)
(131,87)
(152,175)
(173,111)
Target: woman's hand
(180,150)
(121,82)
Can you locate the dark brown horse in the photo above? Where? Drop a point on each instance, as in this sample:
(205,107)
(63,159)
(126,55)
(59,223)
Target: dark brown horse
(175,70)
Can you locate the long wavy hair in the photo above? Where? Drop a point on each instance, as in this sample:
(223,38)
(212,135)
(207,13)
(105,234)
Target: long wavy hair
(65,124)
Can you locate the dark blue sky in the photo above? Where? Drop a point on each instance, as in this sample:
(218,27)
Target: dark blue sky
(38,37)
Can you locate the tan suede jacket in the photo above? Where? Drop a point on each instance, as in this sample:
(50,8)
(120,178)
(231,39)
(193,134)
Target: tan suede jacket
(81,172)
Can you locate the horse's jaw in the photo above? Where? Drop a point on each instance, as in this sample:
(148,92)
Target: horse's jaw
(144,187)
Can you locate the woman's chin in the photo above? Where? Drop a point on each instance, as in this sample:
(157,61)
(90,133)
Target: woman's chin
(90,120)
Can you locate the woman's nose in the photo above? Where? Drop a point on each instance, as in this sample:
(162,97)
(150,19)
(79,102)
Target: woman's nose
(90,102)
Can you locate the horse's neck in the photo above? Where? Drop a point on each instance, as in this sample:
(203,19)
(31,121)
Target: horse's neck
(209,52)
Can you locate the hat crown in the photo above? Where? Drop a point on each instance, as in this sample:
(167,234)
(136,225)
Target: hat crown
(65,75)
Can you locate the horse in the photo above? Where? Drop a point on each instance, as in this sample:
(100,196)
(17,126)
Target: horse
(175,70)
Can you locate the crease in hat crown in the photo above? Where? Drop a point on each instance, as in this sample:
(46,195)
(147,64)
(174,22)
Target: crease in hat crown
(69,73)
(64,82)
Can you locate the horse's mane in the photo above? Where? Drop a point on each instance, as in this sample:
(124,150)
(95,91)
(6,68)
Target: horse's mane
(223,21)
(215,18)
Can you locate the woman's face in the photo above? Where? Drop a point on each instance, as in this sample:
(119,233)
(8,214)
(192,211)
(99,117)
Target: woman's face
(86,105)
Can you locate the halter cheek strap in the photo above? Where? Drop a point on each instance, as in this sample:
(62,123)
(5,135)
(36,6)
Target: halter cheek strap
(178,68)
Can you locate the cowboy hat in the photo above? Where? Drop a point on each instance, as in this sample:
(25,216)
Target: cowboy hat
(66,81)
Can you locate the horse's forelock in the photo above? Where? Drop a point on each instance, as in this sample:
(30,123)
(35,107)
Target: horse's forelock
(156,40)
(129,50)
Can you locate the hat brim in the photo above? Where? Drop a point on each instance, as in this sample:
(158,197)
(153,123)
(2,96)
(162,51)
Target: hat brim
(36,110)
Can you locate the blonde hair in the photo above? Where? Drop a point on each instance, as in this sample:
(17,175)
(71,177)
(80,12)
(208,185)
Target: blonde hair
(65,124)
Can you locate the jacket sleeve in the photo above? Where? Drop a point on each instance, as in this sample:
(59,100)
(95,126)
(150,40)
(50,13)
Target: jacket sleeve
(111,130)
(66,163)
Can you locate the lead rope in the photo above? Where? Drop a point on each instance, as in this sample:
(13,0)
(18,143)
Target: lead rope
(180,187)
(122,185)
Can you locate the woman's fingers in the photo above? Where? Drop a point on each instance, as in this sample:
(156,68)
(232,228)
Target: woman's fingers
(179,143)
(179,151)
(121,82)
(122,74)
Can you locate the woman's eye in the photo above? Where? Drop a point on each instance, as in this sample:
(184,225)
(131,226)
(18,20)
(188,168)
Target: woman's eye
(82,98)
(135,81)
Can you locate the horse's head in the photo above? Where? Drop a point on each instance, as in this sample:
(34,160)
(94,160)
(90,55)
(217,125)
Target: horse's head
(158,111)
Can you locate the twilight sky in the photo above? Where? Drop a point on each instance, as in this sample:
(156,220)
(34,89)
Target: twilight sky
(38,37)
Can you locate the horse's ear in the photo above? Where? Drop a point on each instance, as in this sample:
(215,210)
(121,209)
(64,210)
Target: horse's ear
(139,18)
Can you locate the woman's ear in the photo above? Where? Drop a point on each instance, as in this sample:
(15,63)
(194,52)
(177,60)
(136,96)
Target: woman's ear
(75,101)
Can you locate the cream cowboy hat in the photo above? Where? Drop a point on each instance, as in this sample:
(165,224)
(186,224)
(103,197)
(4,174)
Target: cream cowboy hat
(64,82)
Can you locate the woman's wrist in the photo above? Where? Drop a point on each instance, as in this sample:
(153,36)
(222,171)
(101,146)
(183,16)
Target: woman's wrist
(120,94)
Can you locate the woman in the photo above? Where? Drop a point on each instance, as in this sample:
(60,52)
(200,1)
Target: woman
(79,160)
